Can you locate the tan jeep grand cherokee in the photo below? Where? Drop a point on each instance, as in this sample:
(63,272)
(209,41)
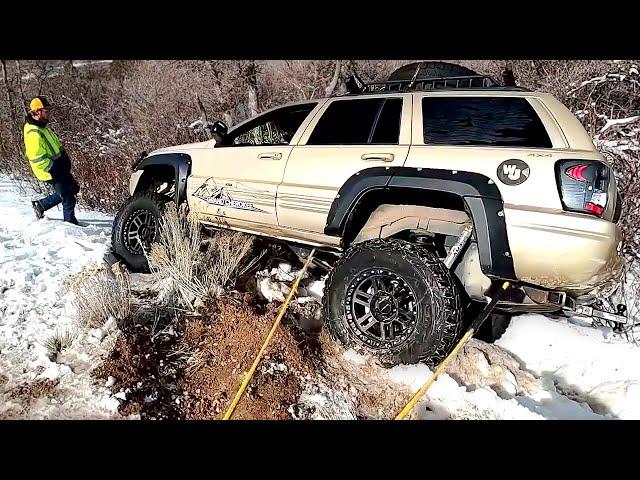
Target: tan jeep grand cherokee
(390,180)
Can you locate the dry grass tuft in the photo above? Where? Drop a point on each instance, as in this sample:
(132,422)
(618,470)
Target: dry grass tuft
(59,340)
(187,274)
(100,296)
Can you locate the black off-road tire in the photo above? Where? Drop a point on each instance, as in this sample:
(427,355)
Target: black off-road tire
(438,308)
(150,202)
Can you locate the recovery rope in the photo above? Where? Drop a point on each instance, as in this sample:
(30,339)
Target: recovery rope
(283,308)
(474,328)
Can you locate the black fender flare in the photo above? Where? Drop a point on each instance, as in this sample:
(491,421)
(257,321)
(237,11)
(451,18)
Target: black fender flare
(181,164)
(479,193)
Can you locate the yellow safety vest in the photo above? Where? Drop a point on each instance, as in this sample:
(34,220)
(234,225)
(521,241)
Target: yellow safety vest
(43,147)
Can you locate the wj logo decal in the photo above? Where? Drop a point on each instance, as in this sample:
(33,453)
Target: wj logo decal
(513,172)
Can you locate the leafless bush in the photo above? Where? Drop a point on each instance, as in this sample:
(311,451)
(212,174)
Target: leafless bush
(175,260)
(100,296)
(226,252)
(188,275)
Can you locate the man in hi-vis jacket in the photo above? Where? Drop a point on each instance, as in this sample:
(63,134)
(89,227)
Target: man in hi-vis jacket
(49,162)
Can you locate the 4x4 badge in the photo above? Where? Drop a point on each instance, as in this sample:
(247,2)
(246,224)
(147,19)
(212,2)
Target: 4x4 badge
(513,172)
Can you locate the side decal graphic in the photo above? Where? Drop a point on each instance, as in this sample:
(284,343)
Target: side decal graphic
(211,193)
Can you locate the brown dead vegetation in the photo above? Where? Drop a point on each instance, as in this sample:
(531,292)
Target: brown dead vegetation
(222,347)
(29,392)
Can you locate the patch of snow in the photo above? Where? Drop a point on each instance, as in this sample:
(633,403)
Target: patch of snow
(618,122)
(316,289)
(36,256)
(275,284)
(319,401)
(591,365)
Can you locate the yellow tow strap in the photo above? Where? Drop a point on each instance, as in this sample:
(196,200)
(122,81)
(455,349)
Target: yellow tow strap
(283,308)
(405,411)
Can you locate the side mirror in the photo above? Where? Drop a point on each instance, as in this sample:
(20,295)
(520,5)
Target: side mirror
(219,131)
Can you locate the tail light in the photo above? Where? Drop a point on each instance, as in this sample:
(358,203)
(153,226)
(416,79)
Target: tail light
(583,185)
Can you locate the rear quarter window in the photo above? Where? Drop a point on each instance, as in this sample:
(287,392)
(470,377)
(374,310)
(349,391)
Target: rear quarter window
(499,122)
(359,122)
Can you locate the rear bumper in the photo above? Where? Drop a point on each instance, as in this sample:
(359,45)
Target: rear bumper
(572,252)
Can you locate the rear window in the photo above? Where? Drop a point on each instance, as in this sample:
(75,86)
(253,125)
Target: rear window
(359,122)
(500,122)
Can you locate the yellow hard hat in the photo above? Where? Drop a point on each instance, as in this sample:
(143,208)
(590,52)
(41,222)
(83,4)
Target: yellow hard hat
(38,103)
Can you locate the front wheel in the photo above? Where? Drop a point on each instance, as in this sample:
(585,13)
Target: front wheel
(394,299)
(136,227)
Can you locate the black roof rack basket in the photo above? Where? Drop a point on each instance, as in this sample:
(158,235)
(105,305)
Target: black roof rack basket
(427,76)
(432,83)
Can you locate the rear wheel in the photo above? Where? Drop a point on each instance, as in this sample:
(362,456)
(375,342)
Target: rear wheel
(394,299)
(136,227)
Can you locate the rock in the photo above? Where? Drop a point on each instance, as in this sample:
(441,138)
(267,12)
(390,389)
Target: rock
(481,364)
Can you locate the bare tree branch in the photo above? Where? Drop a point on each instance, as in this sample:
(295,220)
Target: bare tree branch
(19,77)
(203,118)
(334,81)
(8,93)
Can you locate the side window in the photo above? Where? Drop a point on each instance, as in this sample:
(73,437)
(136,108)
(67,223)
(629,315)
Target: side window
(274,128)
(359,122)
(499,121)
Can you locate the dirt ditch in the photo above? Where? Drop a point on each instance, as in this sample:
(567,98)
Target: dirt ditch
(190,367)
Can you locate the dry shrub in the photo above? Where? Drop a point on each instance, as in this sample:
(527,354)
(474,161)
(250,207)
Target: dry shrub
(175,259)
(226,251)
(59,340)
(101,296)
(188,275)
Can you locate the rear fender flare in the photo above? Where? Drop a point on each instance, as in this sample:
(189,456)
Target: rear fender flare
(481,197)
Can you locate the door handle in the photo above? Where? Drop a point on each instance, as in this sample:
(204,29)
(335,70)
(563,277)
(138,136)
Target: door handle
(270,156)
(377,157)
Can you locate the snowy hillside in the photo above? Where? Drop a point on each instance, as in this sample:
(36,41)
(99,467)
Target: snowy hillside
(36,258)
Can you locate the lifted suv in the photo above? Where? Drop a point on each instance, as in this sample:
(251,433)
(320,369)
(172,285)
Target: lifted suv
(427,189)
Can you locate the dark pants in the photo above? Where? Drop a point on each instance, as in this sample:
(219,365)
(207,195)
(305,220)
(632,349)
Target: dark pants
(66,188)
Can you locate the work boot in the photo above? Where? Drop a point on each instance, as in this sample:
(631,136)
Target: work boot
(37,208)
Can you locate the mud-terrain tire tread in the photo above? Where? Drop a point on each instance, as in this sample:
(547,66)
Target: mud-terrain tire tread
(446,309)
(152,201)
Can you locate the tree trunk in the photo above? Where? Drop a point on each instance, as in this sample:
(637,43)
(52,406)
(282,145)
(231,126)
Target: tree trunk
(203,118)
(7,88)
(2,147)
(334,81)
(252,82)
(19,77)
(12,126)
(228,119)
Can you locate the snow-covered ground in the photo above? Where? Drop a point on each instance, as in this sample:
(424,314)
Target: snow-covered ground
(584,372)
(36,258)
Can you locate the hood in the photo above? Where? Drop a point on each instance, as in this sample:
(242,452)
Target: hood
(185,148)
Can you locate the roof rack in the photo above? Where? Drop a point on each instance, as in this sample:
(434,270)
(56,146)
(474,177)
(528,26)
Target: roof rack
(473,82)
(406,79)
(432,83)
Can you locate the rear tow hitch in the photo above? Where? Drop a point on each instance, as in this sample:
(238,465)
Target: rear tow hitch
(588,311)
